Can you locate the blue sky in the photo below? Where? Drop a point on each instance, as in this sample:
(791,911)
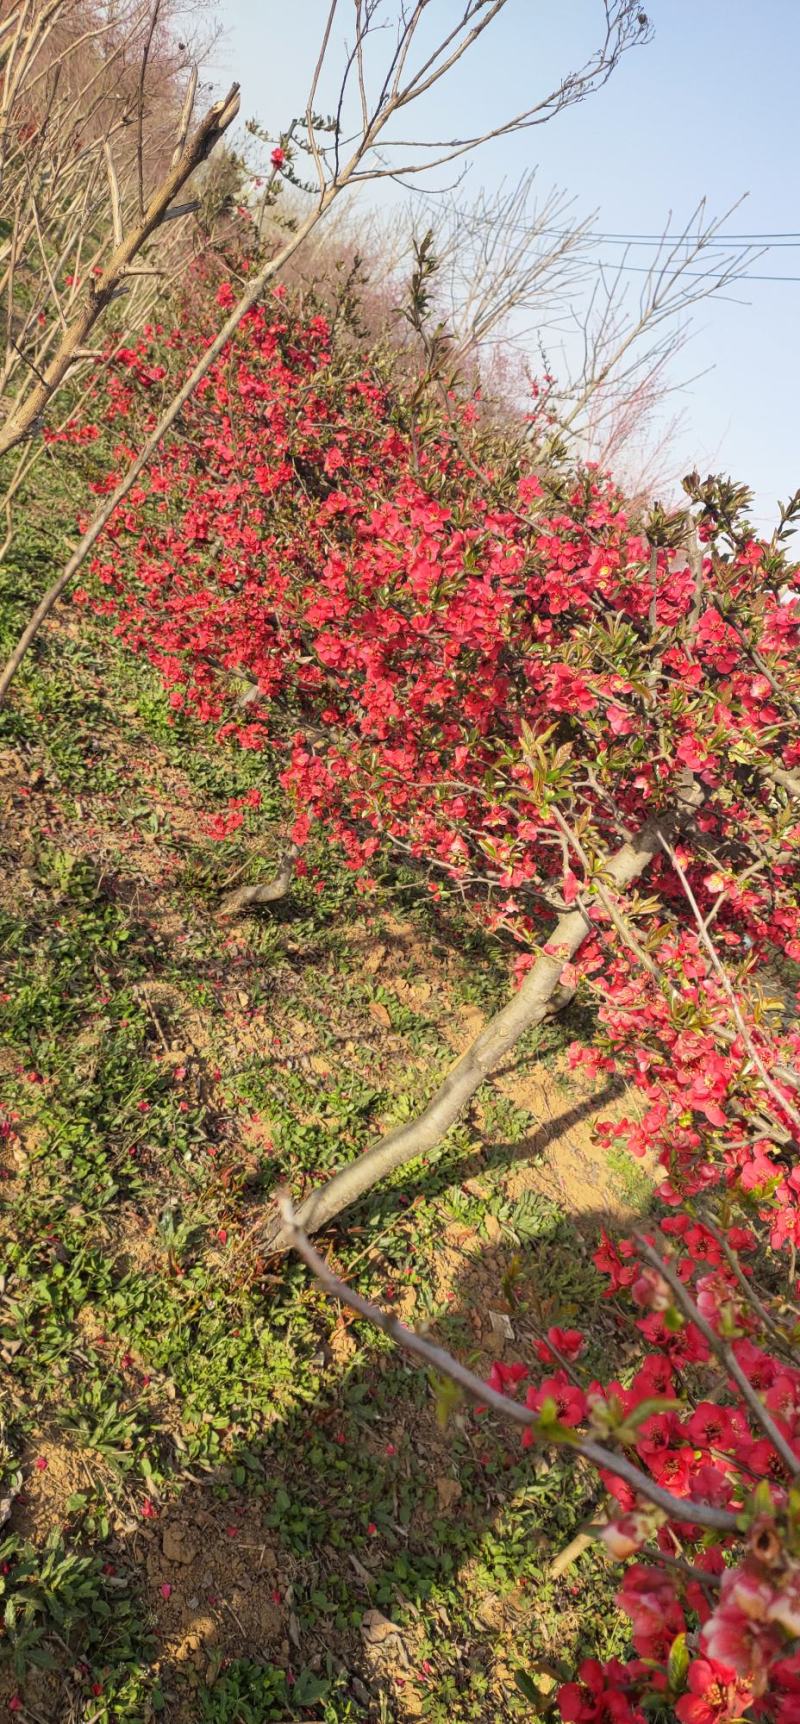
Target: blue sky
(709,107)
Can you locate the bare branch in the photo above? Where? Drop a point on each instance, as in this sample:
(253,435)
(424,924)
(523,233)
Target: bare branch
(113,187)
(527,1008)
(156,7)
(267,892)
(186,116)
(27,412)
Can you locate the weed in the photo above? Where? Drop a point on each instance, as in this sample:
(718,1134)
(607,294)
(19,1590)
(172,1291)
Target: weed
(164,1071)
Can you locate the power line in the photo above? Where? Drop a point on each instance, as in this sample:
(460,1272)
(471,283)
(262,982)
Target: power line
(671,241)
(668,246)
(663,242)
(767,239)
(730,278)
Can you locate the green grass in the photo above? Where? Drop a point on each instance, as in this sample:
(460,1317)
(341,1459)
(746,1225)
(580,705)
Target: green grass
(162,1073)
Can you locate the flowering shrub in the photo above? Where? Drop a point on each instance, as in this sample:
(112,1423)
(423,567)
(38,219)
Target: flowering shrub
(712,1418)
(490,666)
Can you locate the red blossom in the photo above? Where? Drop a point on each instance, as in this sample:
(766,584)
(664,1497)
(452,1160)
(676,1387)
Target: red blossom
(441,661)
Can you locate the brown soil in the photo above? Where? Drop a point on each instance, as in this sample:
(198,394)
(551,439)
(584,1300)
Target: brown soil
(212,1581)
(52,1472)
(212,1584)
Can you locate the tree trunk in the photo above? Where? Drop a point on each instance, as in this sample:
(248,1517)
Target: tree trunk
(528,1007)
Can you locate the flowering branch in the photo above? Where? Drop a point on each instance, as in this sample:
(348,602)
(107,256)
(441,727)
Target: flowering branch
(726,1357)
(768,1081)
(445,1365)
(625,25)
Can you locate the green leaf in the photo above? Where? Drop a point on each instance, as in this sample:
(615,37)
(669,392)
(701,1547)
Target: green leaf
(527,1687)
(761,1500)
(542,1703)
(678,1664)
(645,1410)
(448,1397)
(548,1426)
(308,1689)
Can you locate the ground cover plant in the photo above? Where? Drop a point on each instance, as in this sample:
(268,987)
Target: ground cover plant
(165,1554)
(507,766)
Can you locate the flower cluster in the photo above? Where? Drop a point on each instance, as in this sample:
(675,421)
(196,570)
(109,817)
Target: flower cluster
(711,1420)
(496,669)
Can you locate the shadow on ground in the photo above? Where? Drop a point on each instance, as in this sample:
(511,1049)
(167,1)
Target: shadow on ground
(373,1550)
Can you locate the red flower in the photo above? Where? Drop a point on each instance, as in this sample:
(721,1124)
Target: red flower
(715,1694)
(600,1696)
(648,1598)
(557,1391)
(569,1342)
(743,1632)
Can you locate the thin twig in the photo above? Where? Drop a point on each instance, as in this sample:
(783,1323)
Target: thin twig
(749,1292)
(725,1354)
(787,1106)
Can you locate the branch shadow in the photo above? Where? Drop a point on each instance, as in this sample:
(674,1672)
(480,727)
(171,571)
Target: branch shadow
(360,1555)
(333,1555)
(423,1503)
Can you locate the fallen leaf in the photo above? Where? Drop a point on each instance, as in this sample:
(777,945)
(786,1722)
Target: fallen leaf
(448,1491)
(501,1325)
(376,1628)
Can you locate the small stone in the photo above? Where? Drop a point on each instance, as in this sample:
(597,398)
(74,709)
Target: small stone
(179,1543)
